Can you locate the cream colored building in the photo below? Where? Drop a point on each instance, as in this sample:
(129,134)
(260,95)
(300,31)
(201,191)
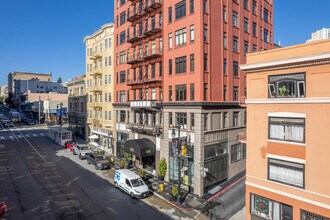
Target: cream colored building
(99,85)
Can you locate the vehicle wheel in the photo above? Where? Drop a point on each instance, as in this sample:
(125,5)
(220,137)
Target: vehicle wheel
(96,167)
(88,162)
(116,185)
(132,195)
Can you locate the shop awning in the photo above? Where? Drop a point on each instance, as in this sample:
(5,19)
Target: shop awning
(140,147)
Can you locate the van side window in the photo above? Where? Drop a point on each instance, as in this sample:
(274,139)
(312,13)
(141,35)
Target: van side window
(128,183)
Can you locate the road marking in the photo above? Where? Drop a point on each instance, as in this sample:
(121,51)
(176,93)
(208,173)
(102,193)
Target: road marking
(27,135)
(35,135)
(2,138)
(11,137)
(42,134)
(19,136)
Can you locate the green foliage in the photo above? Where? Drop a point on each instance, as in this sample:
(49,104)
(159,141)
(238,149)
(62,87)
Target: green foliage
(142,173)
(175,191)
(162,167)
(122,164)
(60,80)
(282,90)
(111,160)
(101,153)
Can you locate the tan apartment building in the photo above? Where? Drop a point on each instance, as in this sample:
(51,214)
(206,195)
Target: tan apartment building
(77,106)
(99,85)
(177,67)
(288,105)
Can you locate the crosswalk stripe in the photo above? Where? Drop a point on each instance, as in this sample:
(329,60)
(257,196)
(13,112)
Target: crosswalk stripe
(2,138)
(27,135)
(19,136)
(35,135)
(42,134)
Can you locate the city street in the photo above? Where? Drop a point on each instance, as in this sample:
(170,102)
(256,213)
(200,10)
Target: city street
(42,180)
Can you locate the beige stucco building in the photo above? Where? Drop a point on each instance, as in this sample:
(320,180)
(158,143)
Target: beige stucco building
(99,85)
(288,105)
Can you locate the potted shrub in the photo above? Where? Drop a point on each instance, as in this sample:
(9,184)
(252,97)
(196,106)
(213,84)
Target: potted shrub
(111,161)
(122,164)
(175,192)
(142,173)
(162,166)
(101,153)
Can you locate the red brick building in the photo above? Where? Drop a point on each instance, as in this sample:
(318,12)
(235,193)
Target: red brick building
(177,63)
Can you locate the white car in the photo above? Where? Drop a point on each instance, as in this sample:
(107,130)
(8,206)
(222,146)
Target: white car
(81,150)
(131,183)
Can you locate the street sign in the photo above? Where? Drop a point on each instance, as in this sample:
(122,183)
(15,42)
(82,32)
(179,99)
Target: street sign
(204,171)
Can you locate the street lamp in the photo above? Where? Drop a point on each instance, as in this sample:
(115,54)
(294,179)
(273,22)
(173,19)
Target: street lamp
(59,106)
(179,157)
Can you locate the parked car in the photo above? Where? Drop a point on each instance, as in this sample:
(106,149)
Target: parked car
(7,123)
(131,183)
(69,145)
(98,161)
(81,150)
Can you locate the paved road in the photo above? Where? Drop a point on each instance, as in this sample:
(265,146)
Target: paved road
(38,181)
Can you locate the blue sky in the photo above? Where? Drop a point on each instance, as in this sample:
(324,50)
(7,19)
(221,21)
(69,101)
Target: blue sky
(47,35)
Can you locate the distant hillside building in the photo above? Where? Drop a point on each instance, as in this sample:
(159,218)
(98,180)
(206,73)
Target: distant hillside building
(12,76)
(322,34)
(3,91)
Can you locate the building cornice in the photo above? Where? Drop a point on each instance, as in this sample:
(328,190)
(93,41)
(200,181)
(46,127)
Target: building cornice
(202,104)
(302,61)
(99,31)
(316,100)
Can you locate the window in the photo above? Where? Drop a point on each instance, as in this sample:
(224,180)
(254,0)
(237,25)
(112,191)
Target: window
(246,4)
(235,119)
(225,120)
(192,62)
(180,92)
(205,61)
(109,98)
(235,98)
(286,172)
(192,91)
(170,15)
(254,7)
(192,121)
(205,91)
(122,57)
(122,76)
(268,209)
(105,97)
(192,8)
(254,48)
(153,70)
(235,19)
(205,6)
(122,96)
(180,9)
(254,29)
(224,66)
(246,25)
(181,119)
(235,153)
(224,14)
(160,69)
(123,18)
(266,35)
(122,37)
(170,40)
(235,44)
(170,94)
(246,47)
(225,40)
(306,215)
(287,129)
(235,68)
(122,116)
(110,118)
(286,86)
(170,119)
(180,65)
(224,93)
(170,67)
(192,33)
(180,37)
(265,15)
(205,33)
(206,119)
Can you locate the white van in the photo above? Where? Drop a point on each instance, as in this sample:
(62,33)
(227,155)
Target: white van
(131,183)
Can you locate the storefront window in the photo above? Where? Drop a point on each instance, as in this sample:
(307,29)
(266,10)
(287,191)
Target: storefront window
(121,139)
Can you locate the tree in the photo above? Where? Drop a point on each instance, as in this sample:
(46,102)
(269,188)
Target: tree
(59,80)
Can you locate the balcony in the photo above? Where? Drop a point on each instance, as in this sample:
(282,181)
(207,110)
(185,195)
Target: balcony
(96,55)
(146,129)
(143,104)
(96,105)
(135,36)
(131,82)
(152,5)
(135,59)
(96,89)
(153,53)
(154,29)
(96,72)
(135,14)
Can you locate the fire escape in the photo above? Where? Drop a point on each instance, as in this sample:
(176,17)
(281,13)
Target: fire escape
(96,89)
(143,32)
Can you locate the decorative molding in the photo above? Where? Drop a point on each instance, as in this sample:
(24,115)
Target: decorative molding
(316,100)
(291,159)
(287,114)
(308,60)
(287,142)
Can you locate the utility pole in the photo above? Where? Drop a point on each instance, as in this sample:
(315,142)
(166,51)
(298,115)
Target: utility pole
(180,158)
(39,110)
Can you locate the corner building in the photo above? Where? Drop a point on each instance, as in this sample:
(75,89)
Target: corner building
(178,81)
(287,124)
(99,85)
